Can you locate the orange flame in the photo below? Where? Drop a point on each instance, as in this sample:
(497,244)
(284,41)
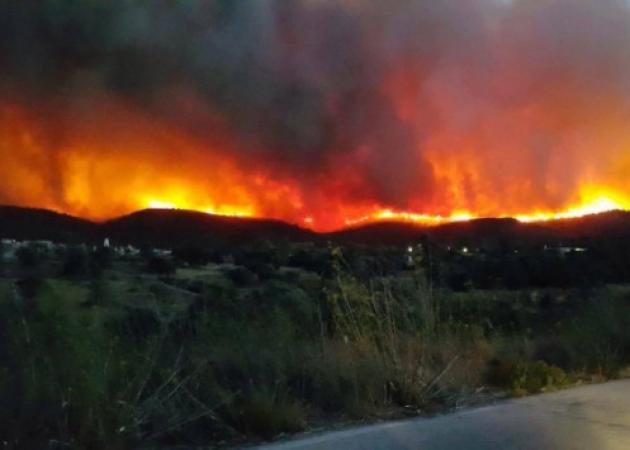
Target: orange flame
(122,161)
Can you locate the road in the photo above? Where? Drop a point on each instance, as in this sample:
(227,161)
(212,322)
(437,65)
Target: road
(594,417)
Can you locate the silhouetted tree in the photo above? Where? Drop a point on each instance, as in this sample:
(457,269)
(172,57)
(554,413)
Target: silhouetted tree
(28,257)
(160,265)
(75,262)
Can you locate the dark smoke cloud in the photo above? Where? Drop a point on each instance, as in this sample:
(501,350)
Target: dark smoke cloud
(302,84)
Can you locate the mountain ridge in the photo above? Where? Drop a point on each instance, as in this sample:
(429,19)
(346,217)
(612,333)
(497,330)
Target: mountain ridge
(176,227)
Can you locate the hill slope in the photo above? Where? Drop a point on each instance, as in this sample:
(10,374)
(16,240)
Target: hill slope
(177,227)
(41,224)
(165,227)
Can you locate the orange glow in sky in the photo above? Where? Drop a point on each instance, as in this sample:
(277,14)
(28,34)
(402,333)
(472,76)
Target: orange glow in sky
(325,114)
(120,161)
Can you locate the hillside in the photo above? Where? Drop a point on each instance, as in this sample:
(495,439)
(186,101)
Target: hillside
(40,224)
(165,227)
(176,227)
(613,224)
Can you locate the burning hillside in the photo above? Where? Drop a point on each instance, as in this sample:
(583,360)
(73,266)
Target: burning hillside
(323,113)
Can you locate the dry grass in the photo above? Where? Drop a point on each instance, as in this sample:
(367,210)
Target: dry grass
(139,365)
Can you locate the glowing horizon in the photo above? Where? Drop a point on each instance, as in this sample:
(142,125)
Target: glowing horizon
(596,206)
(321,114)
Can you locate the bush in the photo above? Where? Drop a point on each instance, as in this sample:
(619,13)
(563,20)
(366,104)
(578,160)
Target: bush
(527,377)
(265,414)
(598,338)
(160,265)
(58,384)
(242,276)
(101,259)
(30,257)
(346,378)
(194,255)
(111,363)
(75,262)
(537,376)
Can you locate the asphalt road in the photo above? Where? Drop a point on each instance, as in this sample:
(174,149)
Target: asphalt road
(595,417)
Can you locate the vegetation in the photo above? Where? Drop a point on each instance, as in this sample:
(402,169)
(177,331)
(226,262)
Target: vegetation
(105,351)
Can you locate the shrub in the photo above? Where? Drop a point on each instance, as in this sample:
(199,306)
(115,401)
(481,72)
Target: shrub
(265,414)
(598,338)
(101,259)
(160,265)
(527,377)
(111,363)
(242,276)
(29,257)
(537,376)
(75,262)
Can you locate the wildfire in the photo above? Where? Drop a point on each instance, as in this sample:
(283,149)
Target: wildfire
(406,216)
(323,114)
(597,206)
(223,210)
(94,181)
